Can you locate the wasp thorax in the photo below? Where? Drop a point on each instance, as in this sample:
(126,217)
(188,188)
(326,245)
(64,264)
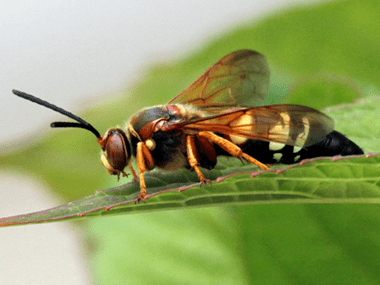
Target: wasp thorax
(115,151)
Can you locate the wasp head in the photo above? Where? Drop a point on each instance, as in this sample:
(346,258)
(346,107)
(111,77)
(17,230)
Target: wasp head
(116,151)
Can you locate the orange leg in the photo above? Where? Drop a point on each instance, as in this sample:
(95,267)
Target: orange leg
(145,163)
(231,148)
(192,157)
(133,172)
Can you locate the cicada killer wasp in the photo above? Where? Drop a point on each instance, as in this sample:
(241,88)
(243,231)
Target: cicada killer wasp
(221,113)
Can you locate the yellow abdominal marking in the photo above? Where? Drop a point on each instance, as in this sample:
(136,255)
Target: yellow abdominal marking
(282,127)
(302,137)
(244,122)
(276,146)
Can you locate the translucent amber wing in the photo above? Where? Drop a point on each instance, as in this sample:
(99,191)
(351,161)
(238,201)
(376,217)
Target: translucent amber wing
(238,79)
(289,124)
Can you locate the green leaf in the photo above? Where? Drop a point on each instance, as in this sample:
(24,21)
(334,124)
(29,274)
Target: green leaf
(328,90)
(171,247)
(321,180)
(359,121)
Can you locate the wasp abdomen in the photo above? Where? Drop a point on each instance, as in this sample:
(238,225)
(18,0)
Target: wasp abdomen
(333,144)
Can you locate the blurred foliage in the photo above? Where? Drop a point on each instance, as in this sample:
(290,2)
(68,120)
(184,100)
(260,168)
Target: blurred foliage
(307,48)
(335,91)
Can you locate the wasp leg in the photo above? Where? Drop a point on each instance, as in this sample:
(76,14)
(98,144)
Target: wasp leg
(231,148)
(133,173)
(120,172)
(145,162)
(193,158)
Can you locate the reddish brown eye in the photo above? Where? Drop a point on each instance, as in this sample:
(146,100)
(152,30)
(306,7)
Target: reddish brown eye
(116,150)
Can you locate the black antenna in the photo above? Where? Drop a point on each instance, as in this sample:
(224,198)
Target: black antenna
(81,123)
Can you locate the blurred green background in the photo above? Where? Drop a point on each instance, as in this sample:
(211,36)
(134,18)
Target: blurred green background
(320,56)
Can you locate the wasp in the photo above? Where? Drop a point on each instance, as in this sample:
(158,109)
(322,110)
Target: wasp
(220,113)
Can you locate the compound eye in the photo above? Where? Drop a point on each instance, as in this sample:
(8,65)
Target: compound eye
(116,150)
